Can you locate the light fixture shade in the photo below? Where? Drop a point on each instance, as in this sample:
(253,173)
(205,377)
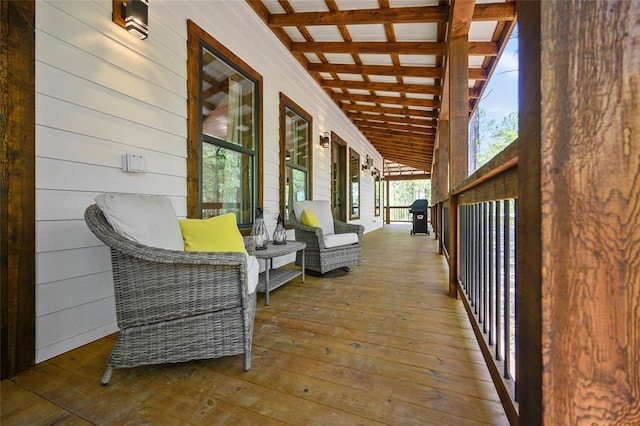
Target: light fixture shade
(132,15)
(136,18)
(325,141)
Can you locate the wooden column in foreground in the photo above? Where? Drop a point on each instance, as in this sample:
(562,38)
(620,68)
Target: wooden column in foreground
(578,272)
(462,12)
(17,186)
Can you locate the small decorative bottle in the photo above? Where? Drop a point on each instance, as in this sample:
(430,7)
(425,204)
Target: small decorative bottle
(259,231)
(280,234)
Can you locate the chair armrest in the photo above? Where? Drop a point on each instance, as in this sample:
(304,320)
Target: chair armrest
(343,227)
(313,237)
(250,245)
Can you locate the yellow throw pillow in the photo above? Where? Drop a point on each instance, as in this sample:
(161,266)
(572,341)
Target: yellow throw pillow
(216,234)
(309,218)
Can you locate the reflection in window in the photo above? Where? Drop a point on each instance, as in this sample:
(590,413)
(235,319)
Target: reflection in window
(377,193)
(228,138)
(295,148)
(354,179)
(226,182)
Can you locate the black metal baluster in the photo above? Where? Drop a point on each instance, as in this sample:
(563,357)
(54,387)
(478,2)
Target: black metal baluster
(492,324)
(507,286)
(499,294)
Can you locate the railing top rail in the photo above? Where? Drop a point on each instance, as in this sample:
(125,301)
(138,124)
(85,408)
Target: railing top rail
(505,160)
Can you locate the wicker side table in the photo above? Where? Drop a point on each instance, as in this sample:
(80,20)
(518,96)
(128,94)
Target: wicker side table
(271,279)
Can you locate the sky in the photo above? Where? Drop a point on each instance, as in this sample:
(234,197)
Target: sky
(501,95)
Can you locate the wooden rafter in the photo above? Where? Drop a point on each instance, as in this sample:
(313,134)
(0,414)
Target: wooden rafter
(393,90)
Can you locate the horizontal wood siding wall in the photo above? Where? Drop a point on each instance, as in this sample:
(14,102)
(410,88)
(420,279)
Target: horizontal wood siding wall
(102,93)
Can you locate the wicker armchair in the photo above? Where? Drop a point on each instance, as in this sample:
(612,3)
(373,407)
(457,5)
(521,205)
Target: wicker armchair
(320,258)
(175,306)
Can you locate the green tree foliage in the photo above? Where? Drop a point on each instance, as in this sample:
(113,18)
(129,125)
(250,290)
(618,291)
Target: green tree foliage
(405,192)
(494,136)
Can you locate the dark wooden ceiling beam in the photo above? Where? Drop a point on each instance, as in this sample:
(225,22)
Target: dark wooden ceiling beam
(405,47)
(388,110)
(399,127)
(385,87)
(385,143)
(405,71)
(395,154)
(393,70)
(408,176)
(395,100)
(480,48)
(415,161)
(395,15)
(406,157)
(494,12)
(419,138)
(389,119)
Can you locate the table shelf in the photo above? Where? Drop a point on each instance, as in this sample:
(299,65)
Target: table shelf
(277,278)
(274,278)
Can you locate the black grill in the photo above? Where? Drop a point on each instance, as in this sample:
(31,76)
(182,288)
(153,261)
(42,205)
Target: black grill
(419,209)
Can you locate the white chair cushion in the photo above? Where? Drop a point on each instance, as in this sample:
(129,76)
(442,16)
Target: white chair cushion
(253,270)
(147,219)
(321,208)
(337,240)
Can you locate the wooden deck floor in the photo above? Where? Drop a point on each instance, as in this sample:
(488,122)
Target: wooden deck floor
(382,345)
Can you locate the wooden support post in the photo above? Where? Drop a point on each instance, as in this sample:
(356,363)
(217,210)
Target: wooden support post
(458,59)
(443,173)
(17,184)
(435,177)
(388,210)
(578,298)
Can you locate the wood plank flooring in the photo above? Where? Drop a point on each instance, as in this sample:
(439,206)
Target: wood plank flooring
(381,345)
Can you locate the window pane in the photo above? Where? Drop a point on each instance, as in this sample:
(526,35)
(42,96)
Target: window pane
(227,178)
(296,139)
(295,188)
(354,172)
(378,196)
(228,100)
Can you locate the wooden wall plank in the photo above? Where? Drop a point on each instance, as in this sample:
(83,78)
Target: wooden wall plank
(60,85)
(73,118)
(17,204)
(72,147)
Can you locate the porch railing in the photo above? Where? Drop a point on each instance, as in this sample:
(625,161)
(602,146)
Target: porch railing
(398,214)
(486,260)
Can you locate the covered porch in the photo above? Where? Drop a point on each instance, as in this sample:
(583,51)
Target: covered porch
(381,345)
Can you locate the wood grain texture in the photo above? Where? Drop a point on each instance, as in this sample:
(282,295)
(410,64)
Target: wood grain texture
(529,240)
(590,198)
(17,167)
(381,345)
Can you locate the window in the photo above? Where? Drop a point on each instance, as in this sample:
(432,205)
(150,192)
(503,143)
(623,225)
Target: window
(295,155)
(224,132)
(354,180)
(377,192)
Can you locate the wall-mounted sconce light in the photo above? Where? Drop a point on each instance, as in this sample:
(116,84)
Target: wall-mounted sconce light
(132,15)
(368,163)
(375,173)
(325,140)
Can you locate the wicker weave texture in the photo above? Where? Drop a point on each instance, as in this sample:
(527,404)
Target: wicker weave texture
(322,259)
(175,306)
